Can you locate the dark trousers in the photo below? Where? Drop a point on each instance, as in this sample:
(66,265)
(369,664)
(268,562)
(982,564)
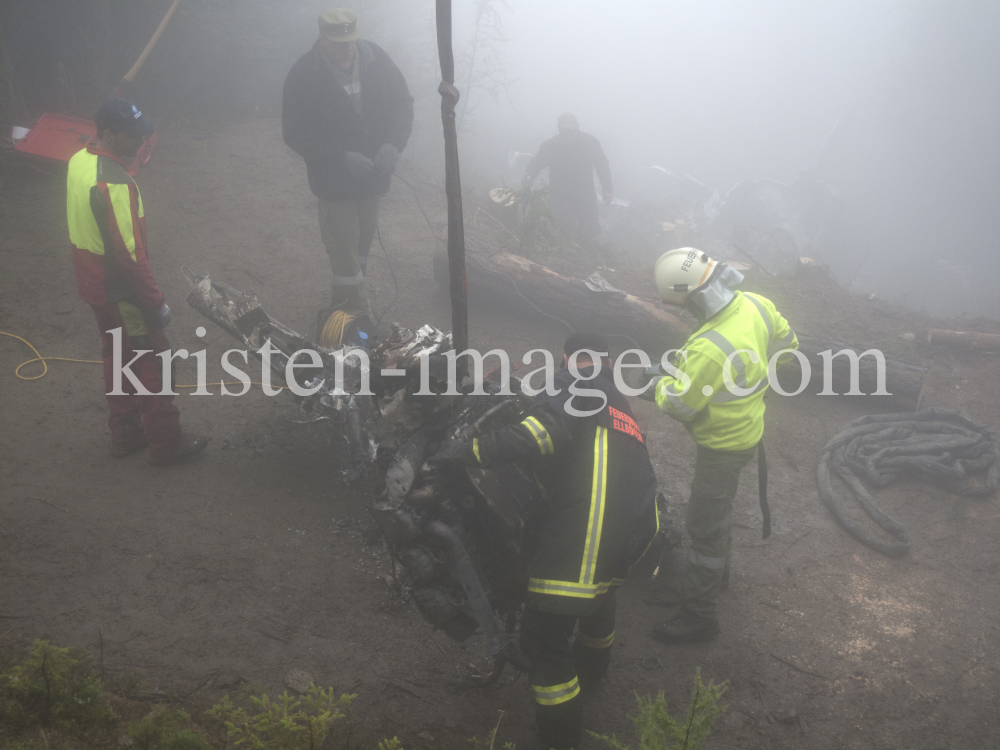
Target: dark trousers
(348,229)
(160,419)
(563,665)
(578,215)
(710,526)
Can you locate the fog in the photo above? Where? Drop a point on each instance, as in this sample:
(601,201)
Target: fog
(724,91)
(895,105)
(890,109)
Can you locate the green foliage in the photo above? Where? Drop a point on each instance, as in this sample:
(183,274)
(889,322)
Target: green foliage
(54,687)
(658,730)
(285,723)
(166,729)
(52,698)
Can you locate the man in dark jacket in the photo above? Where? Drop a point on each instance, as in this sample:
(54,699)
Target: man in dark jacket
(572,157)
(590,459)
(347,111)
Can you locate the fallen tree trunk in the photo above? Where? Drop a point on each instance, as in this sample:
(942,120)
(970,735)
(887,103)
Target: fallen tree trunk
(613,313)
(901,378)
(657,330)
(963,340)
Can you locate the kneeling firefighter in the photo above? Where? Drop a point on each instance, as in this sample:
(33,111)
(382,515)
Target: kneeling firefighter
(589,457)
(739,334)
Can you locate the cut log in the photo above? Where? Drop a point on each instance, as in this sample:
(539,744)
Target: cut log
(611,313)
(655,330)
(902,379)
(963,340)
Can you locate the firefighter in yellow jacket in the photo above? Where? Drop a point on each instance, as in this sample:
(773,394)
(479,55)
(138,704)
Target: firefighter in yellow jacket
(716,390)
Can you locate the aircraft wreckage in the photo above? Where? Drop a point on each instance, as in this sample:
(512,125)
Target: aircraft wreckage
(459,537)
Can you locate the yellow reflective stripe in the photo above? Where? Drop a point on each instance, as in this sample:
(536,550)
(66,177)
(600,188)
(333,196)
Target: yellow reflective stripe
(135,324)
(556,694)
(598,493)
(589,642)
(475,449)
(730,351)
(566,588)
(763,313)
(540,434)
(121,204)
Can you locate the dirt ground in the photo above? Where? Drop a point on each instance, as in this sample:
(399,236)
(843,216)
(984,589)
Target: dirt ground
(256,559)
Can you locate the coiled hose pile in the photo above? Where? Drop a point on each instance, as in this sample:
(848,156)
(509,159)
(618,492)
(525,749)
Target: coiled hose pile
(941,445)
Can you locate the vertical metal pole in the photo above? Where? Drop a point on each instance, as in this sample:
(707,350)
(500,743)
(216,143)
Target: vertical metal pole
(453,187)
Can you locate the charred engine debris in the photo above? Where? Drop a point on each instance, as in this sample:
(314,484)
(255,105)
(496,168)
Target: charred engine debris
(764,223)
(459,538)
(772,226)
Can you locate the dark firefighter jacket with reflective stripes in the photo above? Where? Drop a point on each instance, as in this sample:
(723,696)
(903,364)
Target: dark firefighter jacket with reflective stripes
(720,415)
(107,232)
(599,487)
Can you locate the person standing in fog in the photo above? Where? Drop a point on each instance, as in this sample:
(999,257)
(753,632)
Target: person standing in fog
(107,234)
(572,157)
(346,110)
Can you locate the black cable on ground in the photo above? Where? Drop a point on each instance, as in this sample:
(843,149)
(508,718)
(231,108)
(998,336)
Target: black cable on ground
(941,445)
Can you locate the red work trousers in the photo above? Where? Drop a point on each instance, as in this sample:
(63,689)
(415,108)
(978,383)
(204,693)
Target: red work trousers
(160,418)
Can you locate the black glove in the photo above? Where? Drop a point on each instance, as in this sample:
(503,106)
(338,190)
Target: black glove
(386,159)
(359,165)
(651,376)
(453,451)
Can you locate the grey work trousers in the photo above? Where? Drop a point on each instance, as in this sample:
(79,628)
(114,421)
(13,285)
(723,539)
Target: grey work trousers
(347,229)
(710,526)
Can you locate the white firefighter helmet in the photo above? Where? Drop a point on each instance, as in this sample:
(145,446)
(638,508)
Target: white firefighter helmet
(679,272)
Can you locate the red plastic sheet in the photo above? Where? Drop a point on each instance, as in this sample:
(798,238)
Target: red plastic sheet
(57,138)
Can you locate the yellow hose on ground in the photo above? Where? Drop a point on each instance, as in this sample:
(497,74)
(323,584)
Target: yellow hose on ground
(332,335)
(45,367)
(40,358)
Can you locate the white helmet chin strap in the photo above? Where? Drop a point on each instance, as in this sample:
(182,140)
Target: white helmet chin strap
(716,294)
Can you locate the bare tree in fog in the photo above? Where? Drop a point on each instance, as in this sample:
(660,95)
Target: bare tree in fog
(482,60)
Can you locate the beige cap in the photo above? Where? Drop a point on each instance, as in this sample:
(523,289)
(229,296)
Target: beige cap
(567,121)
(339,25)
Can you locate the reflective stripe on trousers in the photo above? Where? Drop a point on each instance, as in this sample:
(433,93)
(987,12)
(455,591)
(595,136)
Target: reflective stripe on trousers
(589,642)
(552,695)
(541,435)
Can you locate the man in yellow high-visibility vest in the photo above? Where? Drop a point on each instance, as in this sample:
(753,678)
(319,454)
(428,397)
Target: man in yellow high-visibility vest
(107,233)
(716,391)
